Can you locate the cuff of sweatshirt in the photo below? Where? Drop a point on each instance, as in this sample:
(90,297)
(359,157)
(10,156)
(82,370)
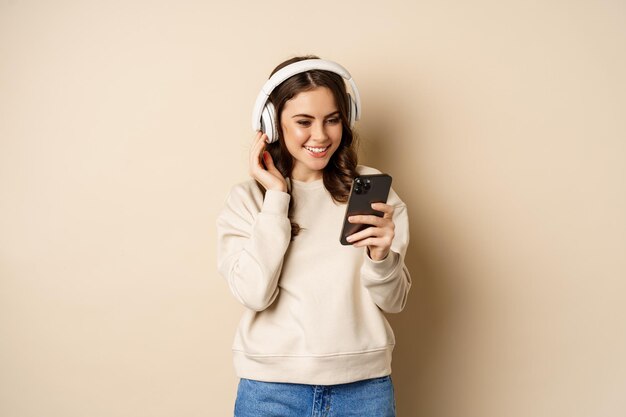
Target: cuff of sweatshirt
(276,202)
(380,270)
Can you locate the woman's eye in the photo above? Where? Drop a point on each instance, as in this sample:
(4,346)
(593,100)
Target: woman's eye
(304,123)
(333,121)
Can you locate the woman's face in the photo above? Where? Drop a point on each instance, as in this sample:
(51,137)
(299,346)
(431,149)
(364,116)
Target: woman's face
(311,126)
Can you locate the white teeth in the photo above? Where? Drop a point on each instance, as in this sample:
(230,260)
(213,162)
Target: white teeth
(316,150)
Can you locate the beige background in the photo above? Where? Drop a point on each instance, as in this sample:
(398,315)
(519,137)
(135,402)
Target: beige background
(124,123)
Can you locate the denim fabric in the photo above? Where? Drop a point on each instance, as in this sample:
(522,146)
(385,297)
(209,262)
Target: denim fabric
(367,398)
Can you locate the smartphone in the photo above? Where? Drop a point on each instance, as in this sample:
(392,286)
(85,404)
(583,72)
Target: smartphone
(365,190)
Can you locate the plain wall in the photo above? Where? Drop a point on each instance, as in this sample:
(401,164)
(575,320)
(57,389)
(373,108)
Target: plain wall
(123,124)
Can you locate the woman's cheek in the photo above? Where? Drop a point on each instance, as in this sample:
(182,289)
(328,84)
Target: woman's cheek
(300,133)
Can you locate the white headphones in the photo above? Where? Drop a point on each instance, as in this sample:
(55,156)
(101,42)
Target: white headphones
(264,115)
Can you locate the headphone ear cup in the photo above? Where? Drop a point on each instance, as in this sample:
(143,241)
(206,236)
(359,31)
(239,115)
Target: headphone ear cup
(268,122)
(352,110)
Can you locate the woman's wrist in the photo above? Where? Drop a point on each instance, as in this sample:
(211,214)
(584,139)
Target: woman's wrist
(378,257)
(282,188)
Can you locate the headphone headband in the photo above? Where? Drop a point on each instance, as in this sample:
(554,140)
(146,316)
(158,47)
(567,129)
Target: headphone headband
(296,68)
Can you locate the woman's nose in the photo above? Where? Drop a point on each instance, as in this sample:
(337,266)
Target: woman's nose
(319,131)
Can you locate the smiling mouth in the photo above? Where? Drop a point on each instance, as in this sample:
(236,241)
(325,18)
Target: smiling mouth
(316,150)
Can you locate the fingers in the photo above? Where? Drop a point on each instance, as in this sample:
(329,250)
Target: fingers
(269,163)
(258,144)
(256,149)
(382,232)
(262,166)
(378,247)
(368,219)
(259,157)
(385,234)
(372,242)
(385,208)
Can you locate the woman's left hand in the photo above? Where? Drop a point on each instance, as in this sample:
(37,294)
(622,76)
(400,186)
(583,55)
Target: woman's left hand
(377,238)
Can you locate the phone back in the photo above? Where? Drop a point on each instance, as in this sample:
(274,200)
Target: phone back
(366,189)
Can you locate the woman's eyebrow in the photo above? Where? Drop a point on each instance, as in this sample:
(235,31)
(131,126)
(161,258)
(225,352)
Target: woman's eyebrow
(311,117)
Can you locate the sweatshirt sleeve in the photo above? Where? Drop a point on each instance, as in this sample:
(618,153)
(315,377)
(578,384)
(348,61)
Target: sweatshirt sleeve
(253,236)
(388,281)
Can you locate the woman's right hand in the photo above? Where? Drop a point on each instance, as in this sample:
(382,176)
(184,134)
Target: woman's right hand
(269,177)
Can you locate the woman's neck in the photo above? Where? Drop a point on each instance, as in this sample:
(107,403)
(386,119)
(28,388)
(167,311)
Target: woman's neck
(308,176)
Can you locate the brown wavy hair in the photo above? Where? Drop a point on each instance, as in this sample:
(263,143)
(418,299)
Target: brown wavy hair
(341,169)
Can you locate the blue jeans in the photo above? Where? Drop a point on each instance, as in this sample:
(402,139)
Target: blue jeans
(368,398)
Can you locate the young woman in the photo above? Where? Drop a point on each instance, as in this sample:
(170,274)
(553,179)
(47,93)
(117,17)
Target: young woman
(313,340)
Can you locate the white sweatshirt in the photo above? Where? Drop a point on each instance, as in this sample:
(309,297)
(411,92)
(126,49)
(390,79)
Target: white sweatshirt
(314,307)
